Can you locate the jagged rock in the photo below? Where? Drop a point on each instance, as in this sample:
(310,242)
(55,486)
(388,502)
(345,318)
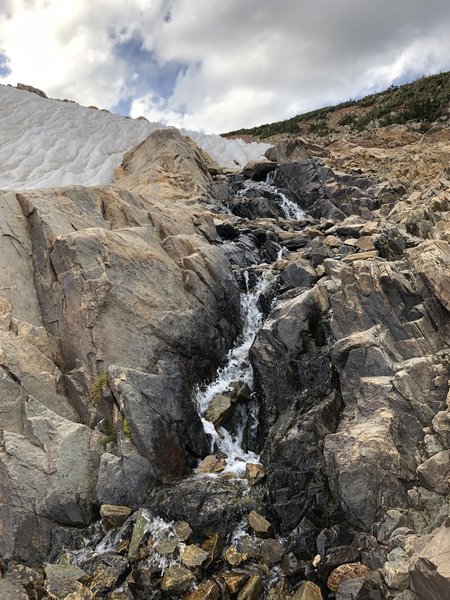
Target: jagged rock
(290,150)
(251,589)
(219,409)
(47,475)
(140,529)
(300,274)
(254,473)
(206,590)
(359,589)
(114,516)
(271,551)
(213,546)
(259,524)
(12,589)
(430,566)
(346,572)
(234,581)
(209,509)
(104,571)
(307,591)
(258,169)
(183,531)
(337,556)
(177,580)
(160,415)
(30,88)
(233,557)
(167,546)
(193,556)
(166,164)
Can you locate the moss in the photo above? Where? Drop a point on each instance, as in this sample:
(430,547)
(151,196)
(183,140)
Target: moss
(97,387)
(126,428)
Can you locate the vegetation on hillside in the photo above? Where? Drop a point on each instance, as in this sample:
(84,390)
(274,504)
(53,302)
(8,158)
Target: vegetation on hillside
(423,101)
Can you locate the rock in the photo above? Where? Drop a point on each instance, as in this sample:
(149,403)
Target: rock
(113,517)
(65,582)
(258,169)
(346,572)
(213,546)
(211,464)
(233,557)
(300,274)
(104,571)
(260,525)
(177,580)
(361,256)
(206,590)
(359,589)
(271,552)
(166,164)
(290,150)
(140,530)
(335,557)
(234,581)
(430,566)
(194,556)
(434,473)
(30,88)
(211,509)
(251,589)
(219,409)
(183,531)
(48,474)
(254,473)
(167,546)
(307,591)
(12,589)
(145,398)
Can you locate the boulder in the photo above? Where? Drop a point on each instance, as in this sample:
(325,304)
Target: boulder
(258,169)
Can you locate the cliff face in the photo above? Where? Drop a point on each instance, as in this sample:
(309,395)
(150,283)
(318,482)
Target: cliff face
(117,301)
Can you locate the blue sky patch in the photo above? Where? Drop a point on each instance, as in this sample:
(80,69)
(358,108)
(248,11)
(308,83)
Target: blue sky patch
(4,65)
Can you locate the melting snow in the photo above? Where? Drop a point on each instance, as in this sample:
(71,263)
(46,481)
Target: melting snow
(49,143)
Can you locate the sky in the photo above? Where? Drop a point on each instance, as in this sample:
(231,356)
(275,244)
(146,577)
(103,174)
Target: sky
(219,65)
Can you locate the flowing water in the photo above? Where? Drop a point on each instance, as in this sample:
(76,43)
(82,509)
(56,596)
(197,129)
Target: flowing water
(237,368)
(289,208)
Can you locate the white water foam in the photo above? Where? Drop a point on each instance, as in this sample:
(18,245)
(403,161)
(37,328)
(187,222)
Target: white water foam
(237,368)
(290,209)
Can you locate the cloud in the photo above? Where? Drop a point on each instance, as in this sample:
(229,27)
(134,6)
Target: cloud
(220,65)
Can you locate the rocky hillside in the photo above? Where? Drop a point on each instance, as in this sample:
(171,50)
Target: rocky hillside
(141,459)
(420,104)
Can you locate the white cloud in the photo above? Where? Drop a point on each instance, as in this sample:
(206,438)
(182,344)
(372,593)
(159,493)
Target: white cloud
(246,63)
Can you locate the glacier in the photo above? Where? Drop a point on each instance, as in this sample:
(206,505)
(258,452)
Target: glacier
(50,143)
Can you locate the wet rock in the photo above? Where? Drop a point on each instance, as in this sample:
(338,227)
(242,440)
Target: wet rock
(211,464)
(300,274)
(251,589)
(346,572)
(254,473)
(216,508)
(206,590)
(177,580)
(335,557)
(234,581)
(219,409)
(258,169)
(213,546)
(260,525)
(183,531)
(271,551)
(114,516)
(282,591)
(194,556)
(233,557)
(105,571)
(307,591)
(140,530)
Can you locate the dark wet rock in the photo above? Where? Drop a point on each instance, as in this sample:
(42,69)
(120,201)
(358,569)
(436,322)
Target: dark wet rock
(252,589)
(260,525)
(299,274)
(258,169)
(271,551)
(177,580)
(160,414)
(215,508)
(104,571)
(114,516)
(337,556)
